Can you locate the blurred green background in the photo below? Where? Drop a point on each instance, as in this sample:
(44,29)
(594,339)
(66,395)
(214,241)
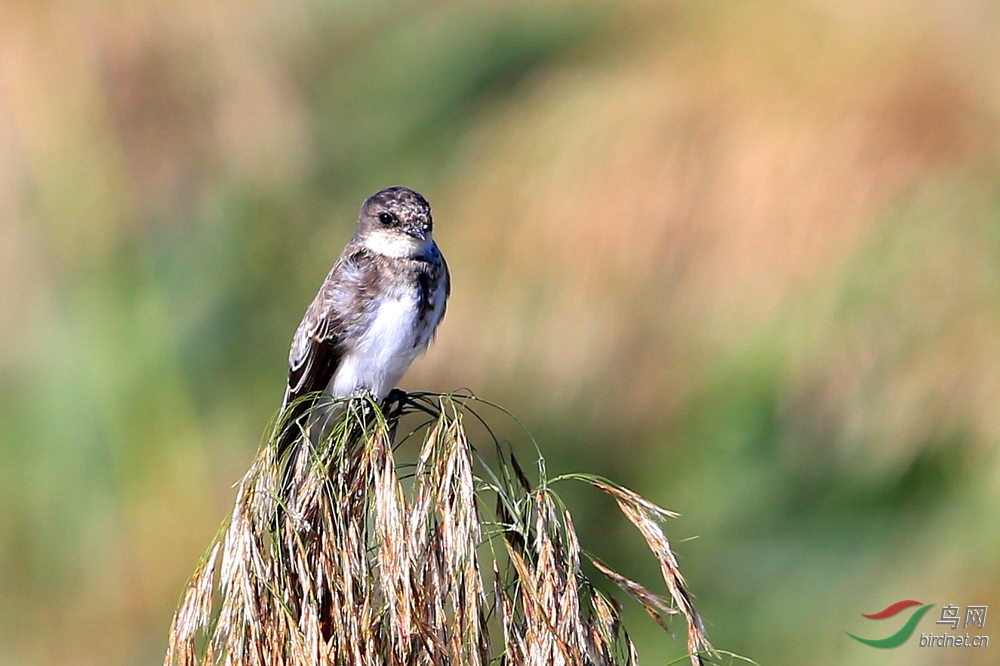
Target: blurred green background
(743,257)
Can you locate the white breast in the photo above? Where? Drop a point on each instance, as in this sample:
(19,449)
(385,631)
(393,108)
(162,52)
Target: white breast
(383,354)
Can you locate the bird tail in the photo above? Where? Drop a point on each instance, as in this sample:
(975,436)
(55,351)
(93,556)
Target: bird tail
(291,421)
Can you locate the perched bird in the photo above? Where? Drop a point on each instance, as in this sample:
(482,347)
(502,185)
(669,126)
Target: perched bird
(377,310)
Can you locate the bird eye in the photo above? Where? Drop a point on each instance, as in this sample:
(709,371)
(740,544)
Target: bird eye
(386,218)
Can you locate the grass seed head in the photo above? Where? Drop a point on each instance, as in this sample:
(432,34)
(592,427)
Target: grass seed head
(331,557)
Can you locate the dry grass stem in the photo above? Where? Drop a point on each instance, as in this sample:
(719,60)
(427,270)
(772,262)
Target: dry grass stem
(332,557)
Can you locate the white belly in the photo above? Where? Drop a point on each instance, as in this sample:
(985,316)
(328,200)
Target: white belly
(383,354)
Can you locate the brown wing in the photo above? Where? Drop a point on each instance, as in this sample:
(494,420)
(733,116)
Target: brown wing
(321,339)
(316,350)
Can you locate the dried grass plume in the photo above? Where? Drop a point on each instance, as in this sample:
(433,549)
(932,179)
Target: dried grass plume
(336,554)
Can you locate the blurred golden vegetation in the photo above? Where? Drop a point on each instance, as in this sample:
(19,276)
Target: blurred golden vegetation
(743,257)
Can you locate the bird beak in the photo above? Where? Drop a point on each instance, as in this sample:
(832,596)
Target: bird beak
(420,233)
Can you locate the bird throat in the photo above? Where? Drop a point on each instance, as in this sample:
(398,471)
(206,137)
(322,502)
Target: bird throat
(394,244)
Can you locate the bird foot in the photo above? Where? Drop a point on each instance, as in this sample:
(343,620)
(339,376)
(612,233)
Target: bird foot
(393,404)
(396,395)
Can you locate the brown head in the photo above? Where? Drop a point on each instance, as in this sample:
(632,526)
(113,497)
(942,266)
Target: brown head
(396,222)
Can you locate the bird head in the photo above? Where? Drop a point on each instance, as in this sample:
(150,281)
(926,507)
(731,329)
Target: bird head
(396,222)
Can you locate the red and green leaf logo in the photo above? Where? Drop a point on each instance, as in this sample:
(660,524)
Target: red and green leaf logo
(904,632)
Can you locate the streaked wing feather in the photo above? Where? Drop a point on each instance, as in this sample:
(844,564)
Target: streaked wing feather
(319,343)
